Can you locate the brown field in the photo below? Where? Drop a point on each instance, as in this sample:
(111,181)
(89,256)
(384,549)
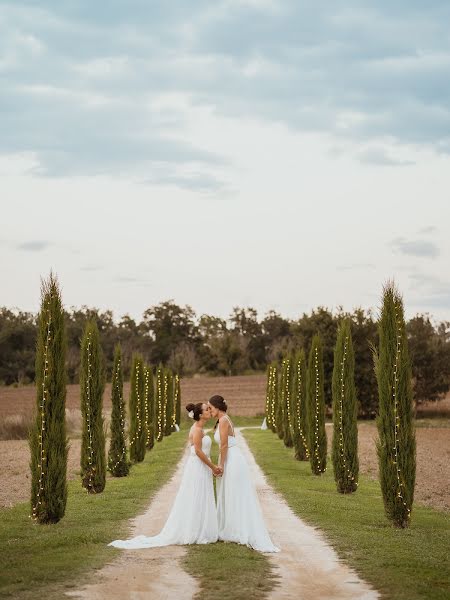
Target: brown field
(245,396)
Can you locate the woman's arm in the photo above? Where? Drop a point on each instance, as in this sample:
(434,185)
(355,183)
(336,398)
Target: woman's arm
(197,437)
(223,431)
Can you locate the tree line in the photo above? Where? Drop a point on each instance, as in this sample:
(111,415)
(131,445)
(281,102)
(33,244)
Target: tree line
(176,337)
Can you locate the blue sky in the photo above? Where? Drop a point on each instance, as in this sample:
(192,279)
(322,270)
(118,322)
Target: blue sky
(277,154)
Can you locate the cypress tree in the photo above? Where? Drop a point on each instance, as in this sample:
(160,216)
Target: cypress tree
(177,399)
(287,402)
(168,401)
(159,404)
(92,386)
(396,446)
(117,454)
(138,434)
(299,405)
(279,409)
(149,407)
(47,439)
(273,397)
(317,438)
(345,412)
(269,409)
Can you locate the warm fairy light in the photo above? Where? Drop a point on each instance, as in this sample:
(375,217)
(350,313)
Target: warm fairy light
(316,416)
(42,413)
(122,418)
(175,400)
(349,474)
(159,389)
(273,395)
(138,405)
(288,392)
(400,482)
(300,399)
(88,414)
(147,421)
(269,395)
(166,386)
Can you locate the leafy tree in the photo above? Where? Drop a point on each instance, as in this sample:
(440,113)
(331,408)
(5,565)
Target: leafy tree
(317,440)
(149,407)
(345,413)
(299,406)
(396,446)
(92,386)
(138,434)
(117,454)
(48,442)
(177,398)
(159,404)
(168,402)
(286,399)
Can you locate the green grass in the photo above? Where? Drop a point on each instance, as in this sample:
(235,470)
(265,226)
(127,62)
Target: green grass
(43,560)
(229,572)
(402,564)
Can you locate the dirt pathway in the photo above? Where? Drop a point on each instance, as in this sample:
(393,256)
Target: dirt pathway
(151,572)
(308,567)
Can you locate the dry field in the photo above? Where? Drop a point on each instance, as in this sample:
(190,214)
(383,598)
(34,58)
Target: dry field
(245,397)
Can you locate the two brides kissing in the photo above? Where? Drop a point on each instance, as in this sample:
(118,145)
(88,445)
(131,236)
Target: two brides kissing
(194,517)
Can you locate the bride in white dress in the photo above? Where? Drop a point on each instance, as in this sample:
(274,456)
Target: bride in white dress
(238,510)
(193,517)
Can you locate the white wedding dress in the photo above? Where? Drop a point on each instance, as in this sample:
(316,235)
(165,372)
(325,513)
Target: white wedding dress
(238,510)
(193,517)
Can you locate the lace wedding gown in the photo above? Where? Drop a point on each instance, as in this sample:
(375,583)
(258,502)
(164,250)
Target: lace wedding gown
(238,510)
(193,517)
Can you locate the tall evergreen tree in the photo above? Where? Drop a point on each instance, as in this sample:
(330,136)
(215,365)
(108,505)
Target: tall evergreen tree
(273,397)
(168,401)
(117,454)
(138,434)
(159,404)
(48,442)
(317,440)
(149,407)
(345,413)
(177,399)
(396,446)
(269,411)
(286,396)
(92,386)
(279,409)
(299,407)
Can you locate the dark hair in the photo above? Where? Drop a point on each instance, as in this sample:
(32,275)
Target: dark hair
(197,409)
(218,402)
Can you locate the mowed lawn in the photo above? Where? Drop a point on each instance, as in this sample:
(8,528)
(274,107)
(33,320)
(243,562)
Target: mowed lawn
(43,560)
(408,564)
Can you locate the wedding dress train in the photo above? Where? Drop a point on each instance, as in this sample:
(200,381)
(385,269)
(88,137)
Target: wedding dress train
(193,517)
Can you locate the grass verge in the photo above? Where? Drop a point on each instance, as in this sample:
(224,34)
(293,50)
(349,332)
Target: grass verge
(45,560)
(408,564)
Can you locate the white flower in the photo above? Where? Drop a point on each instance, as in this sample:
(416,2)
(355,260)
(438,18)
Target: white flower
(191,414)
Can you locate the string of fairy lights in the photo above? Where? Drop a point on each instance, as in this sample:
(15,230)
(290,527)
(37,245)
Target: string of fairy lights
(348,472)
(147,420)
(91,468)
(287,384)
(400,483)
(42,414)
(138,406)
(175,400)
(166,398)
(316,416)
(159,390)
(273,395)
(122,417)
(300,399)
(269,395)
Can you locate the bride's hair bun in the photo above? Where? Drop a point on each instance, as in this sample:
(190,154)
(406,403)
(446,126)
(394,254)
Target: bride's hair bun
(194,410)
(218,402)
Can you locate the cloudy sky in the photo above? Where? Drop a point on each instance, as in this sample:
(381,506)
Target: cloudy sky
(274,154)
